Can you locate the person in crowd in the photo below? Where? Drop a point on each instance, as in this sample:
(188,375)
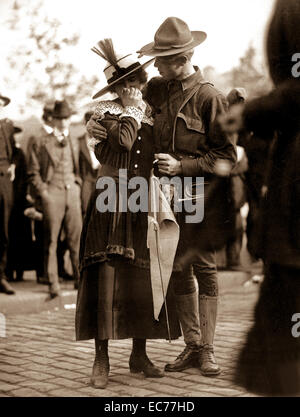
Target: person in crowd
(34,209)
(88,167)
(54,174)
(270,361)
(115,295)
(7,176)
(238,190)
(189,143)
(19,228)
(257,150)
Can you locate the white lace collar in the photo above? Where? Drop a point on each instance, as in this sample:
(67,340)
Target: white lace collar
(115,108)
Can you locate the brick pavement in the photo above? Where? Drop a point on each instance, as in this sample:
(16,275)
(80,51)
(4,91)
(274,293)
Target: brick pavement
(40,358)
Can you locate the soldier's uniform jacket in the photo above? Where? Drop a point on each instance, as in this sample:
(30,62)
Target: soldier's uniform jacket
(7,140)
(186,127)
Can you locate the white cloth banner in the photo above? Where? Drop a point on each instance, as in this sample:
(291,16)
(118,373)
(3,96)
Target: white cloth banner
(162,241)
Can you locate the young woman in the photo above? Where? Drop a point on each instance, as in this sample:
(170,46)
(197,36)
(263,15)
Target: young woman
(115,296)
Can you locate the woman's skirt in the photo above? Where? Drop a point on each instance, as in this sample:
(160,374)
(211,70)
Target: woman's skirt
(270,360)
(115,302)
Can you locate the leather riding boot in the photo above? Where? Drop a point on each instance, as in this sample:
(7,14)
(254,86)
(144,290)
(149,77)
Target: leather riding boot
(139,361)
(100,372)
(208,317)
(188,314)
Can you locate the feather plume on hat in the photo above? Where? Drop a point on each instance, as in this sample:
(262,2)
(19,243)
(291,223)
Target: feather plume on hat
(106,51)
(118,66)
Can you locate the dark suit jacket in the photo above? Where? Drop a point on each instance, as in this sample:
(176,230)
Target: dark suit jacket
(42,160)
(7,135)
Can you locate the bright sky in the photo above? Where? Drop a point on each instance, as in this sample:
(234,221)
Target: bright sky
(231,26)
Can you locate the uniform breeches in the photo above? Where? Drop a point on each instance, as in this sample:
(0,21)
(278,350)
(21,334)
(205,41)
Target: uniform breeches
(205,271)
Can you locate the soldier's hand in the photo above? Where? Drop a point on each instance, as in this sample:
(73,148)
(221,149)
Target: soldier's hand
(96,130)
(168,165)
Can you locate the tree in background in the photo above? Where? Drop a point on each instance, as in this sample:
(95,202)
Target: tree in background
(41,62)
(249,76)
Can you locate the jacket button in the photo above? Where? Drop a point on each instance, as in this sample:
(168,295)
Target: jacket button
(138,151)
(139,138)
(135,165)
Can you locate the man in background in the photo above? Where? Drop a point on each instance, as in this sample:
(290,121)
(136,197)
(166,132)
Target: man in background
(7,174)
(54,174)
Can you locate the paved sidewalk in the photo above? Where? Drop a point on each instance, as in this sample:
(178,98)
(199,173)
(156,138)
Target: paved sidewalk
(40,358)
(31,297)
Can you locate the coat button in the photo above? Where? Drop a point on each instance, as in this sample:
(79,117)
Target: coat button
(138,151)
(135,165)
(139,138)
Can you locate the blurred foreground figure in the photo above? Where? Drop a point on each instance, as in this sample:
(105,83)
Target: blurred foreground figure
(270,361)
(7,175)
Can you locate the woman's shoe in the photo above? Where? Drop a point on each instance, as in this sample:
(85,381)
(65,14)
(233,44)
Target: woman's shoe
(99,378)
(54,290)
(143,364)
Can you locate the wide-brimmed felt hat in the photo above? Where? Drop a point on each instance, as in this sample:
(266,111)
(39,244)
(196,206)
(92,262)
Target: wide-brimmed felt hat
(61,110)
(119,66)
(5,99)
(172,37)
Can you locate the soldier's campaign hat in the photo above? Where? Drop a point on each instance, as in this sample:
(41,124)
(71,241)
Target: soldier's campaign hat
(171,38)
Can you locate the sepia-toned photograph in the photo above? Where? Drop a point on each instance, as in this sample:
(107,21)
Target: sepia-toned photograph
(149,201)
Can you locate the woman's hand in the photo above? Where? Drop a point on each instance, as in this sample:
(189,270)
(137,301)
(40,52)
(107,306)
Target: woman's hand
(132,97)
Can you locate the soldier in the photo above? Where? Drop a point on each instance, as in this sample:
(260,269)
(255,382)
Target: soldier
(189,143)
